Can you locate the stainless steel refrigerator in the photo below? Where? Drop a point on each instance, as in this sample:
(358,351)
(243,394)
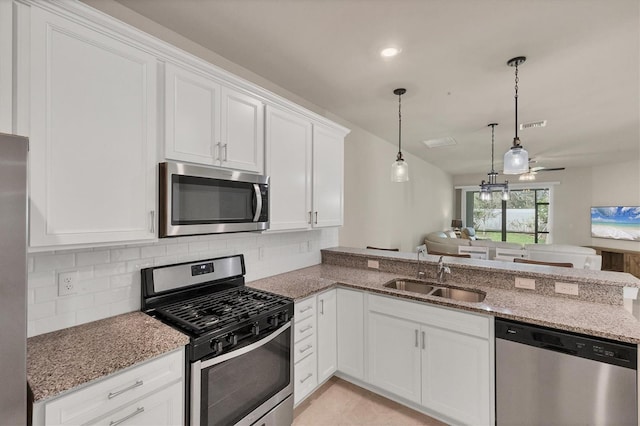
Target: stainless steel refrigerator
(13,279)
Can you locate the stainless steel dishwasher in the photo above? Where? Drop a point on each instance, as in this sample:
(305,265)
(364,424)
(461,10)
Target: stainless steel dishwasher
(552,377)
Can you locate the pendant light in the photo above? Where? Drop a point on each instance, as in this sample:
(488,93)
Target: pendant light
(399,168)
(486,188)
(516,160)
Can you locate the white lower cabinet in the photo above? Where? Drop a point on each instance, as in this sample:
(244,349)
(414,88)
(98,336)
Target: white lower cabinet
(327,344)
(151,393)
(350,318)
(315,351)
(436,357)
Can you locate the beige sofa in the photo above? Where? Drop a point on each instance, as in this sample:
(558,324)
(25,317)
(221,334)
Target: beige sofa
(448,242)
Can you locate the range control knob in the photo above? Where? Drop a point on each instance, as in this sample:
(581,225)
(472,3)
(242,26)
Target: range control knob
(284,316)
(273,321)
(255,329)
(216,345)
(232,338)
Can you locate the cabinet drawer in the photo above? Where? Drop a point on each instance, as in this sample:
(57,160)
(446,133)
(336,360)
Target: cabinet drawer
(304,328)
(305,309)
(97,399)
(306,378)
(162,408)
(304,348)
(450,319)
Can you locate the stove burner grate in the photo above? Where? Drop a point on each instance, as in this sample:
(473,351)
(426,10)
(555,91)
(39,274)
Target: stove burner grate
(217,310)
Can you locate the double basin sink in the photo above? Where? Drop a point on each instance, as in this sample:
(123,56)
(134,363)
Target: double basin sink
(437,290)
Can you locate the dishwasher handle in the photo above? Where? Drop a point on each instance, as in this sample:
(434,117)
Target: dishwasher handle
(558,349)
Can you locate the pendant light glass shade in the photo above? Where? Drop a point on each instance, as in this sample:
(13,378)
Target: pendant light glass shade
(399,171)
(516,161)
(399,168)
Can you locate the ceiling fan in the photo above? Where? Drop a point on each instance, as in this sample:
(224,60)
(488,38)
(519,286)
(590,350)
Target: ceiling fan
(533,171)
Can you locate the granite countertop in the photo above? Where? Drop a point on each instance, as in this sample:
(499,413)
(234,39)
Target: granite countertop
(596,319)
(65,359)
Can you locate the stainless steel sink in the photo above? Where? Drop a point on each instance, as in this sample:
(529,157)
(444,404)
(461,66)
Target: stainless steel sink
(410,285)
(459,294)
(417,286)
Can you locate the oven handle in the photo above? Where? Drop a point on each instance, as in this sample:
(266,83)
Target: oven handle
(256,190)
(244,350)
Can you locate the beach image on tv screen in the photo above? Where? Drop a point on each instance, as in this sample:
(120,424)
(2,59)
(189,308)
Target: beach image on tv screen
(619,223)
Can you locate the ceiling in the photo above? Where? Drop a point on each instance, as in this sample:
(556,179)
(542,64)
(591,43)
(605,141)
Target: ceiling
(581,75)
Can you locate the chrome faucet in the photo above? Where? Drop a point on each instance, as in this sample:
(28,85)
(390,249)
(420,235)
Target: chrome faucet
(421,275)
(442,270)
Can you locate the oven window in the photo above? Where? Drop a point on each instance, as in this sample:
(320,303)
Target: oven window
(197,200)
(234,388)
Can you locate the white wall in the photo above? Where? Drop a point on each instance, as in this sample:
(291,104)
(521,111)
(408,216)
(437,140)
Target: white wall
(109,277)
(384,214)
(616,185)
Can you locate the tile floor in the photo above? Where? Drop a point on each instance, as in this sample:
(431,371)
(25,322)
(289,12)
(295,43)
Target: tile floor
(339,402)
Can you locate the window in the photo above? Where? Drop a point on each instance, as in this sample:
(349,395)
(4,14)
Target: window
(523,219)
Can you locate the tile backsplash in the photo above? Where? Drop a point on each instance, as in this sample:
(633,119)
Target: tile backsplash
(108,278)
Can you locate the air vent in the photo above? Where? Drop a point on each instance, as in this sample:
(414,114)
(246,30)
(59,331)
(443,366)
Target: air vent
(533,125)
(437,143)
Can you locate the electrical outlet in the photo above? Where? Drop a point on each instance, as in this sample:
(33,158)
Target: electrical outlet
(567,288)
(67,283)
(422,249)
(529,284)
(373,264)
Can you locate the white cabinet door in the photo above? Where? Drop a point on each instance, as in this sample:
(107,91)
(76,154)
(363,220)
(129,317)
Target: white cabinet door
(328,184)
(327,330)
(163,408)
(394,355)
(456,375)
(350,314)
(288,164)
(93,135)
(192,116)
(242,131)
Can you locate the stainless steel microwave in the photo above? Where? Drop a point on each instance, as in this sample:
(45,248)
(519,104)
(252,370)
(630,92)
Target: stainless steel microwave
(201,200)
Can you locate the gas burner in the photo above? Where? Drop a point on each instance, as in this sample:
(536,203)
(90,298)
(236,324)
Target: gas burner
(210,320)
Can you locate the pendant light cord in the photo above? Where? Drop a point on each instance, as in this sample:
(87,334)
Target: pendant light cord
(493,126)
(516,99)
(399,126)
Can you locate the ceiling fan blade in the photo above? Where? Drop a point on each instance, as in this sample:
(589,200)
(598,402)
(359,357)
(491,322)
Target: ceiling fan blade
(550,169)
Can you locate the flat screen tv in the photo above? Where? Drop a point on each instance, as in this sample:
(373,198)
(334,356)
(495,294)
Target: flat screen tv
(618,223)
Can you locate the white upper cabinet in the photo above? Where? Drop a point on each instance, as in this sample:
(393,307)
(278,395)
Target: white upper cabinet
(288,162)
(209,123)
(305,163)
(192,116)
(242,142)
(92,113)
(328,182)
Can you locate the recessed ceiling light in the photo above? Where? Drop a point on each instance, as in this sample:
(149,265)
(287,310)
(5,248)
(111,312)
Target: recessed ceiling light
(389,52)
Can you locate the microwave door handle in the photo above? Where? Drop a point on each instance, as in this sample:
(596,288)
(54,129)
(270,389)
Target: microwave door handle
(256,189)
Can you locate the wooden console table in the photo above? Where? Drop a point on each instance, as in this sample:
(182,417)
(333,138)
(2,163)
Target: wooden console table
(619,260)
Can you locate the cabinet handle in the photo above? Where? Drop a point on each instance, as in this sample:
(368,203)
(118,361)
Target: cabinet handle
(218,151)
(423,339)
(226,151)
(152,227)
(321,306)
(316,222)
(306,348)
(307,328)
(124,419)
(112,395)
(416,338)
(306,378)
(310,217)
(306,308)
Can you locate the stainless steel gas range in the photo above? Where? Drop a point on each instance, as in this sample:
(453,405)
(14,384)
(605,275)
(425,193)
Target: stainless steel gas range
(239,360)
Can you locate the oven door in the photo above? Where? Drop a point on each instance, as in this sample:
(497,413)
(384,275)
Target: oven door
(242,386)
(202,200)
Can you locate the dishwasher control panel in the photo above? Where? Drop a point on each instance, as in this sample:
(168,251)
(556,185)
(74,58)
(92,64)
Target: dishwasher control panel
(574,344)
